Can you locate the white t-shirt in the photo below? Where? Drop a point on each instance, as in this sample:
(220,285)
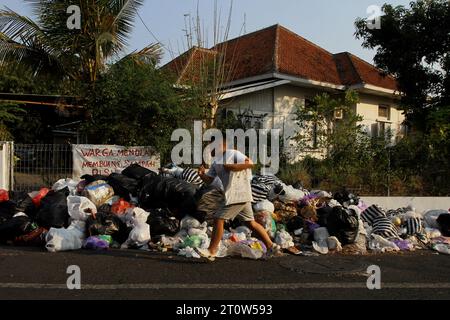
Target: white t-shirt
(217,169)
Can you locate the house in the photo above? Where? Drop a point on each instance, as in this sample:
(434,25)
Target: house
(275,70)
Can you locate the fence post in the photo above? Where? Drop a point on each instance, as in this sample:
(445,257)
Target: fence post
(6,165)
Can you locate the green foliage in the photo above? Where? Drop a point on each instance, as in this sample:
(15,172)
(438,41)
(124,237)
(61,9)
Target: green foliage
(135,104)
(414,45)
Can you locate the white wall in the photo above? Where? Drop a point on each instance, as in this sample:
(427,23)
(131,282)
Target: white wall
(6,169)
(419,203)
(368,108)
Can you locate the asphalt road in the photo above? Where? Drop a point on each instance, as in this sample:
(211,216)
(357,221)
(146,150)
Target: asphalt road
(30,273)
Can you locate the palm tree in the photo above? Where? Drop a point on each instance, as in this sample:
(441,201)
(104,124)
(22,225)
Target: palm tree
(47,46)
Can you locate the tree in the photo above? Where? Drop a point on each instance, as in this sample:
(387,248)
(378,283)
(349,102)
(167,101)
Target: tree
(413,44)
(136,104)
(212,68)
(48,47)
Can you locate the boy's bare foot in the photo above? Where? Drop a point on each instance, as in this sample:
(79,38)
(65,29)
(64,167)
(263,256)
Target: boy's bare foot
(205,253)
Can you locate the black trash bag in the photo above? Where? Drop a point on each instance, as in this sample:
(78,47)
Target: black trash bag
(323,214)
(346,198)
(7,210)
(106,223)
(209,200)
(137,172)
(53,212)
(162,223)
(123,186)
(167,192)
(24,203)
(295,223)
(444,224)
(92,178)
(15,227)
(343,223)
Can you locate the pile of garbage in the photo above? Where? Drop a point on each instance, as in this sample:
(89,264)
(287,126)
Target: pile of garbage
(172,211)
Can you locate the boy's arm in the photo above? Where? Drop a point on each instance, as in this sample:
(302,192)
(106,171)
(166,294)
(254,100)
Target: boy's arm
(239,166)
(202,173)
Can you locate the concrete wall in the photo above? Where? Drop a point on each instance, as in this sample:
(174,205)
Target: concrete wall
(420,203)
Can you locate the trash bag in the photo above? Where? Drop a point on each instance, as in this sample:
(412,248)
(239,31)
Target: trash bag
(92,178)
(17,226)
(139,236)
(444,224)
(66,183)
(123,186)
(4,195)
(120,207)
(161,223)
(295,223)
(95,243)
(23,203)
(431,216)
(346,198)
(35,238)
(37,196)
(250,249)
(209,200)
(265,206)
(66,239)
(54,212)
(167,192)
(137,172)
(98,192)
(106,223)
(343,223)
(80,208)
(7,210)
(284,239)
(323,214)
(265,219)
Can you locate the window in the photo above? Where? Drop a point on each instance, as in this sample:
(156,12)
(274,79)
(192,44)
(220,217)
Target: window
(384,111)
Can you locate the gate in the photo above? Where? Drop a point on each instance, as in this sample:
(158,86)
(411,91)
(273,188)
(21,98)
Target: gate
(41,165)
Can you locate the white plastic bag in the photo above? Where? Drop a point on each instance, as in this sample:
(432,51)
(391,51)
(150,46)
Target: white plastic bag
(188,222)
(66,239)
(380,244)
(247,250)
(80,208)
(63,183)
(430,217)
(264,206)
(140,234)
(284,239)
(320,243)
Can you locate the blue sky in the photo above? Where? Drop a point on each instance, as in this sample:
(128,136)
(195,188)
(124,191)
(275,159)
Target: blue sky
(328,23)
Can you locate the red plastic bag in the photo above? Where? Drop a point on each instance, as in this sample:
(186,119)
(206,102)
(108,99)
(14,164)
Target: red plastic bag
(4,195)
(120,207)
(38,195)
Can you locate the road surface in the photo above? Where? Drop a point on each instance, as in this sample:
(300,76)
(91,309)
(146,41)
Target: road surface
(32,273)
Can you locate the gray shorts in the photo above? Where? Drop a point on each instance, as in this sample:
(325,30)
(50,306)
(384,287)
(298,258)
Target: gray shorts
(243,211)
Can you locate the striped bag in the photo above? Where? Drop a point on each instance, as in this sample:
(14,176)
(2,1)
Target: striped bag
(382,226)
(413,226)
(371,213)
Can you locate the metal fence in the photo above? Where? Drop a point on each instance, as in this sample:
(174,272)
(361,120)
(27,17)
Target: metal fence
(39,165)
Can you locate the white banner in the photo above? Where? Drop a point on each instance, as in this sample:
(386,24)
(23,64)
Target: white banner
(107,159)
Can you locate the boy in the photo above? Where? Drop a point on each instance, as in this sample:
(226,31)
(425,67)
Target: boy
(228,161)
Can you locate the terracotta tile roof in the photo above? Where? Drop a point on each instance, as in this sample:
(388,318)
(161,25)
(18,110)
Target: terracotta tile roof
(277,49)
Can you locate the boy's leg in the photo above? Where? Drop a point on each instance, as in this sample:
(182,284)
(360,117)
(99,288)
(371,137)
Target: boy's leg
(216,236)
(247,216)
(261,232)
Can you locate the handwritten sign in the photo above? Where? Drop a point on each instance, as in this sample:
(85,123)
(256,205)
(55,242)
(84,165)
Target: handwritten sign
(107,159)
